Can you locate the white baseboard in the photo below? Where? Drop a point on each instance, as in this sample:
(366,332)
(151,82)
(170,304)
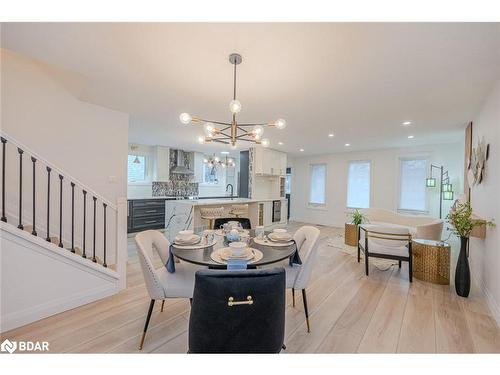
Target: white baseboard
(493,305)
(32,314)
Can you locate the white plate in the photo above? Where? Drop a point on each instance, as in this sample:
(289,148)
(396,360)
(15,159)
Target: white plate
(275,238)
(216,256)
(199,245)
(190,241)
(225,254)
(264,241)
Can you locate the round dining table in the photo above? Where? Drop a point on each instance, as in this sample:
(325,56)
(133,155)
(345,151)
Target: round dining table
(201,257)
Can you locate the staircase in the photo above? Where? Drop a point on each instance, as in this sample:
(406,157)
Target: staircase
(50,219)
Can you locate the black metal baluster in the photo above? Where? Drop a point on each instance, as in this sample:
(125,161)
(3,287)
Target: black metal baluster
(20,226)
(4,141)
(48,203)
(60,209)
(104,207)
(84,255)
(93,254)
(33,232)
(72,217)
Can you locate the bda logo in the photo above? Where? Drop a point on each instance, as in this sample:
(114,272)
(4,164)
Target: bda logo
(8,346)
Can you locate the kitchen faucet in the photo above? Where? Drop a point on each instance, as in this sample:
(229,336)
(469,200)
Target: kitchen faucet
(232,189)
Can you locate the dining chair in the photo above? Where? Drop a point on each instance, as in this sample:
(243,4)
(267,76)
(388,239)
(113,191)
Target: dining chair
(210,214)
(298,276)
(160,283)
(244,221)
(238,311)
(381,241)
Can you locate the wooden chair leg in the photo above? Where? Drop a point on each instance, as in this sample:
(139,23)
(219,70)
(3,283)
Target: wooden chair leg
(304,299)
(410,269)
(366,263)
(162,304)
(359,254)
(190,302)
(151,305)
(400,264)
(293,297)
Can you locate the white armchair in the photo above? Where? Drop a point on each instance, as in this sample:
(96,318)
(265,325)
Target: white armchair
(159,282)
(298,276)
(381,241)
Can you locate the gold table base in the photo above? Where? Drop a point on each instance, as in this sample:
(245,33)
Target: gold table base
(431,261)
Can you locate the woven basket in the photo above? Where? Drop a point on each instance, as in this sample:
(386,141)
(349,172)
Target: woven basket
(351,234)
(431,261)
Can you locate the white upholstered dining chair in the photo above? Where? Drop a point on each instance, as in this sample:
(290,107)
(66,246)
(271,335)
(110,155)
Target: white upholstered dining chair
(298,276)
(160,283)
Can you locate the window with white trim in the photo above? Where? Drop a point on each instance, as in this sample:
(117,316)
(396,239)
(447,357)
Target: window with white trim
(358,184)
(317,190)
(412,190)
(136,168)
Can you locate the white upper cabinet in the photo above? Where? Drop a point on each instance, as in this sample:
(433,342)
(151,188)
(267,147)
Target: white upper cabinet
(198,167)
(269,162)
(162,167)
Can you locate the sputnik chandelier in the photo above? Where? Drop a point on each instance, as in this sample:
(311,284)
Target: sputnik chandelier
(231,132)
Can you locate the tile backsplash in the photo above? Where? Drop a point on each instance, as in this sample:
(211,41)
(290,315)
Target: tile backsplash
(174,188)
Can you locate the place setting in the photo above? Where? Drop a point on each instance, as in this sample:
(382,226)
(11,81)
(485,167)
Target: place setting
(278,238)
(236,255)
(187,239)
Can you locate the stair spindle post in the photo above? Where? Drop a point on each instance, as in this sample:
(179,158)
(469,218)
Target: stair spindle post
(20,226)
(84,255)
(72,217)
(4,144)
(48,203)
(95,209)
(61,177)
(33,232)
(104,235)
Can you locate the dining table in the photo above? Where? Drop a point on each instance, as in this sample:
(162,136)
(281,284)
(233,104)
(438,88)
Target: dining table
(271,254)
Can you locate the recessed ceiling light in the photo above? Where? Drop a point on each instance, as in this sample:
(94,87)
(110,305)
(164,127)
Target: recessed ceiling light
(411,136)
(301,150)
(347,144)
(225,152)
(280,143)
(406,123)
(331,135)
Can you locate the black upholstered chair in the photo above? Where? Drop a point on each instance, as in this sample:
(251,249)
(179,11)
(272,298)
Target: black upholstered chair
(245,222)
(238,311)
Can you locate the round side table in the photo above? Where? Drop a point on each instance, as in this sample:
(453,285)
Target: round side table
(431,261)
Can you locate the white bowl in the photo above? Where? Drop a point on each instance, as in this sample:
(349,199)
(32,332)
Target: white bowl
(233,224)
(279,230)
(185,235)
(237,248)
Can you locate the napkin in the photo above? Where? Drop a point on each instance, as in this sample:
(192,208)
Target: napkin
(170,265)
(295,258)
(236,264)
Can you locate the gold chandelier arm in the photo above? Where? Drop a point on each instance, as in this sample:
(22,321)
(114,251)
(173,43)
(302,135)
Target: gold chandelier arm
(199,120)
(261,124)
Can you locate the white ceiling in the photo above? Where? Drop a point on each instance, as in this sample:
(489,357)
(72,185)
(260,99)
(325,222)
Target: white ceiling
(357,80)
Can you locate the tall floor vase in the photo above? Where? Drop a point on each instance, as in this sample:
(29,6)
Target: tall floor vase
(462,273)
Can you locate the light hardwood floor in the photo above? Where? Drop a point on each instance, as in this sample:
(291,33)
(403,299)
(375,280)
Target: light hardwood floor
(349,313)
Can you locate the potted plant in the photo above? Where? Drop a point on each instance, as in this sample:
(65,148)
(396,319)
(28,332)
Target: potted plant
(351,228)
(462,222)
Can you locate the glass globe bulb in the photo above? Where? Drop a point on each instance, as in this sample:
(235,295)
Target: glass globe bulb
(235,106)
(185,118)
(201,139)
(216,159)
(258,130)
(280,123)
(209,128)
(265,142)
(233,147)
(205,160)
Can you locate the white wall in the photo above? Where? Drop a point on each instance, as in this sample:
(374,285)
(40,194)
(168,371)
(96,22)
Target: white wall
(384,180)
(484,253)
(39,109)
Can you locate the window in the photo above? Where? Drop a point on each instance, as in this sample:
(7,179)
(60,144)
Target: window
(412,191)
(210,174)
(358,184)
(317,193)
(136,168)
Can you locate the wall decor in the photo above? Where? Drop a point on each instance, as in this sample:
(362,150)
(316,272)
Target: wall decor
(477,164)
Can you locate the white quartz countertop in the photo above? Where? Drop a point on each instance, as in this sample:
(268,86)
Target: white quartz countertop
(223,201)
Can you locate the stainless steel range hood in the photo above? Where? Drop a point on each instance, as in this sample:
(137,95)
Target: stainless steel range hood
(180,166)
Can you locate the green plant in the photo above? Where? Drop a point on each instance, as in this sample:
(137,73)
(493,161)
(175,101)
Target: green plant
(460,218)
(357,217)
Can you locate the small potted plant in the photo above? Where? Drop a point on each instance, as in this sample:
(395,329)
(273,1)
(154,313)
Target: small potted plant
(462,222)
(351,228)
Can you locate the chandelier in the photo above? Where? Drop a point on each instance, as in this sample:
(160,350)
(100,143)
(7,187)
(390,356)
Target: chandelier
(231,132)
(215,161)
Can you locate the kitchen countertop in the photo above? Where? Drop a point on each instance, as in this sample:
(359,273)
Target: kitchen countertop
(224,201)
(175,198)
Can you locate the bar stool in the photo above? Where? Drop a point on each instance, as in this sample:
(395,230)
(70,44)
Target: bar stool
(239,210)
(210,214)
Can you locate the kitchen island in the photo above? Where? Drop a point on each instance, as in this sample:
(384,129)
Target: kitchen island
(185,214)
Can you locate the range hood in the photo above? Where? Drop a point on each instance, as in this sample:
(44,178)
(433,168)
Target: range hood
(180,166)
